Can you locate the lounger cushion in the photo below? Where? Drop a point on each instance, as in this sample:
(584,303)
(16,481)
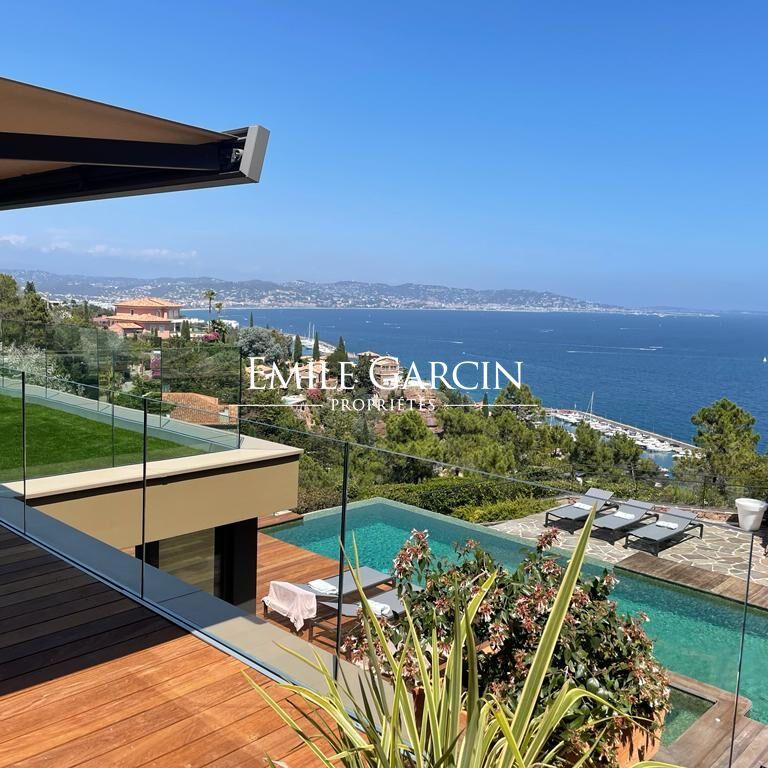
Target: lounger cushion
(570,513)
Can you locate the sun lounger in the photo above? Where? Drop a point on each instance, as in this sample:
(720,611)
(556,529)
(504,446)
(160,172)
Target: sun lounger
(326,593)
(579,510)
(295,603)
(676,525)
(627,515)
(369,578)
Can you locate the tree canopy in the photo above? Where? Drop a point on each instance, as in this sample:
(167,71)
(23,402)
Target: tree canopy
(264,342)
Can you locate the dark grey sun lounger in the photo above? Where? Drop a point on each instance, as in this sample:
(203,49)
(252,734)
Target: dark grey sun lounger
(627,515)
(369,578)
(388,598)
(579,510)
(675,525)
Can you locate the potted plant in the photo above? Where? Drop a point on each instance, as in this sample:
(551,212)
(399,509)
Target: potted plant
(751,513)
(599,649)
(460,724)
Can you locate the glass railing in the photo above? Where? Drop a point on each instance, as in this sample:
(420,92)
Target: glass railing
(99,361)
(247,537)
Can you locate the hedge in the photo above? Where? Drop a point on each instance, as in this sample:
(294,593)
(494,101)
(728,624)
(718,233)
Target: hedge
(445,495)
(512,509)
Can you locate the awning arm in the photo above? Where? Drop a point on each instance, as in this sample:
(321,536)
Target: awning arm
(76,150)
(104,168)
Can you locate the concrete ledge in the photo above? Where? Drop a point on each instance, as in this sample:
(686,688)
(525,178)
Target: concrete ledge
(252,451)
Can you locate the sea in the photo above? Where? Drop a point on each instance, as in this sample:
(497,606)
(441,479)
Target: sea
(652,371)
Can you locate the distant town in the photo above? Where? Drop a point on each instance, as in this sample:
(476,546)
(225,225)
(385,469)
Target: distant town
(188,292)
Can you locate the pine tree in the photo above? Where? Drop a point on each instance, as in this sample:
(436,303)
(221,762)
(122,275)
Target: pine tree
(316,348)
(36,315)
(338,356)
(297,349)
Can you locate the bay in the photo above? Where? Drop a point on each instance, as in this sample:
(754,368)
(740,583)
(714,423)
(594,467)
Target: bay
(651,371)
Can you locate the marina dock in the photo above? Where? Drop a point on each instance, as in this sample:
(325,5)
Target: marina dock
(653,442)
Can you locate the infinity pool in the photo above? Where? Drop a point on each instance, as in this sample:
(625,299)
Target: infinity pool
(696,634)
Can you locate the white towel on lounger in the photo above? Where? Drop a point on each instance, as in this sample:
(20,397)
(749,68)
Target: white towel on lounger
(323,587)
(293,602)
(380,609)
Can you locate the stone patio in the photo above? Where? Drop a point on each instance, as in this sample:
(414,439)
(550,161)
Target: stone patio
(724,548)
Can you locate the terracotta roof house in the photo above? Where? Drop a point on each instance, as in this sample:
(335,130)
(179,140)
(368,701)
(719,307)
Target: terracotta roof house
(194,408)
(386,369)
(136,316)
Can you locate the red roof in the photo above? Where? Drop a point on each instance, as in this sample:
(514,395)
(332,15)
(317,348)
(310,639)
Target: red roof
(148,301)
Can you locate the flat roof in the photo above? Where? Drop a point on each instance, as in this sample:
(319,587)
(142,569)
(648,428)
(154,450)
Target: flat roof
(253,450)
(56,147)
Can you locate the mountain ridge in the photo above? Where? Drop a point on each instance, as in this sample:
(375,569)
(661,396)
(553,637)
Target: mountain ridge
(301,293)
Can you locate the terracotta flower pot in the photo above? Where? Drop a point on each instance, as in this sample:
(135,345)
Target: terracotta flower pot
(637,744)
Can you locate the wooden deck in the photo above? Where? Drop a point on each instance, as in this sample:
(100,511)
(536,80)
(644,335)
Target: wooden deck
(707,743)
(690,576)
(91,678)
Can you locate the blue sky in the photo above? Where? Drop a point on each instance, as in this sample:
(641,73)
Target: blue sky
(614,151)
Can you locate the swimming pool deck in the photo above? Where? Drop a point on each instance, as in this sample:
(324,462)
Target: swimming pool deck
(706,744)
(723,550)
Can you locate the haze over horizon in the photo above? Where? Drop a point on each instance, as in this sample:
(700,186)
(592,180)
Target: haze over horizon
(608,152)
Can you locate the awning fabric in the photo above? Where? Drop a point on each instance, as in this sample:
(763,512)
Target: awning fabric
(56,148)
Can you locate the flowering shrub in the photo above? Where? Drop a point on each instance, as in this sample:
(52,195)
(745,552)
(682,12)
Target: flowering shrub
(211,337)
(599,649)
(39,366)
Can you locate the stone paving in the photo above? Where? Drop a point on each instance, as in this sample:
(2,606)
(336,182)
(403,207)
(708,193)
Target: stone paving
(724,548)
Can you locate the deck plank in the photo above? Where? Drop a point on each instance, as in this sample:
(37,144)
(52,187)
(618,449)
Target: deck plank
(690,576)
(89,677)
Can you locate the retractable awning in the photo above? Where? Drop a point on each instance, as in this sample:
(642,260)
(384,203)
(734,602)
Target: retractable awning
(57,148)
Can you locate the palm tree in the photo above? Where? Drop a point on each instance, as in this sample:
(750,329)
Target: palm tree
(209,294)
(219,306)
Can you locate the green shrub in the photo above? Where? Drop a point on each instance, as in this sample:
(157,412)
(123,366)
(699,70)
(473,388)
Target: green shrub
(445,495)
(512,509)
(599,649)
(311,499)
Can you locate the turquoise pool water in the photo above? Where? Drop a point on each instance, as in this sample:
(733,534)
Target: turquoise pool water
(696,635)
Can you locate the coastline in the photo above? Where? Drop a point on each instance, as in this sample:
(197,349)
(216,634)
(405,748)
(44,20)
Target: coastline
(533,310)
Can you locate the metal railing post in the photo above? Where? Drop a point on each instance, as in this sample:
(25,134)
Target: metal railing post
(342,547)
(744,618)
(239,396)
(24,449)
(144,500)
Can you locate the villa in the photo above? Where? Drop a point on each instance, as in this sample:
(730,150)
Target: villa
(194,408)
(148,314)
(142,549)
(385,370)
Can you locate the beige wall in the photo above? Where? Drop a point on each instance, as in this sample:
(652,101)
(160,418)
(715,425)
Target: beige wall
(178,504)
